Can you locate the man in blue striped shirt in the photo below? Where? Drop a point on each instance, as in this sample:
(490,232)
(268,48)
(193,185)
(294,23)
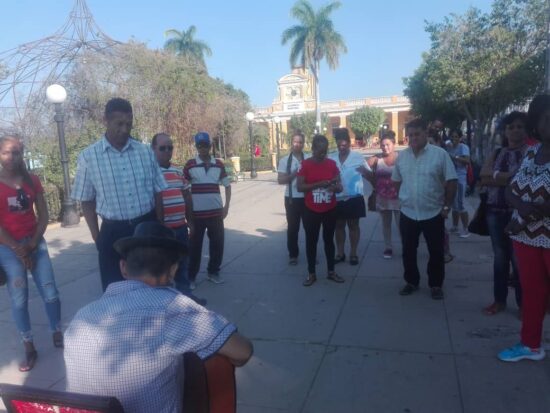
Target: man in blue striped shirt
(119,180)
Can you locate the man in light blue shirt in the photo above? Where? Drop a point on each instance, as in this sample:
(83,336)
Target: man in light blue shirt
(460,155)
(426,180)
(119,180)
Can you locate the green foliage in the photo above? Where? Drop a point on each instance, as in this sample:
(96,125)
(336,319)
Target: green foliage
(185,45)
(306,124)
(313,40)
(480,64)
(366,121)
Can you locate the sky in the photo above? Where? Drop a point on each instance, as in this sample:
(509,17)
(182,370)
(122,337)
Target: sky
(385,39)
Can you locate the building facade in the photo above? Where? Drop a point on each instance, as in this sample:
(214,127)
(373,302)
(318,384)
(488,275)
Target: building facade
(296,95)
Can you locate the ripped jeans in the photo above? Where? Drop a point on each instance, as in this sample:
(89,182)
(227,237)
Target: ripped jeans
(18,288)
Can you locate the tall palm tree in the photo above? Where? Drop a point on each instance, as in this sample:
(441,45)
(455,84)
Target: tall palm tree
(313,40)
(184,44)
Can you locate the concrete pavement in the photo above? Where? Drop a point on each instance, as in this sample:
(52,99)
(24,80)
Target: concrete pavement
(354,347)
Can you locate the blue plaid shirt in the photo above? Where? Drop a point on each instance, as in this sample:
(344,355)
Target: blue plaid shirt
(129,344)
(123,183)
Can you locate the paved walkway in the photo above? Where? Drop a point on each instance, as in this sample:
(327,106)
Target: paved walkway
(355,347)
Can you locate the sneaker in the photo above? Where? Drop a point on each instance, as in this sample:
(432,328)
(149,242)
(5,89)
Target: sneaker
(215,278)
(293,261)
(464,234)
(437,293)
(453,230)
(521,352)
(192,285)
(388,253)
(408,289)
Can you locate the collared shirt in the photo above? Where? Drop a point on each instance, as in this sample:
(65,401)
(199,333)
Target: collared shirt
(461,168)
(352,181)
(294,166)
(129,344)
(172,198)
(423,180)
(205,179)
(123,183)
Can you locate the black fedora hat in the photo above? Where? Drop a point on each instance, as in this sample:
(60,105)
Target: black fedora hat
(150,234)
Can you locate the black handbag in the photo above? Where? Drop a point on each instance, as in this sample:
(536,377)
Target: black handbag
(478,224)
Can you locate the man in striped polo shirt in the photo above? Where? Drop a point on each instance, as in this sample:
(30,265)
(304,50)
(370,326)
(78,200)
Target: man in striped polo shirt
(176,205)
(206,174)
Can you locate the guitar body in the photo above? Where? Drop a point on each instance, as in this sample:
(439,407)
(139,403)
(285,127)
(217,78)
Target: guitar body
(209,385)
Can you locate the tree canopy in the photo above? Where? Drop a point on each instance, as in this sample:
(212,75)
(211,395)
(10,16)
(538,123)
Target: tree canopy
(366,121)
(480,64)
(305,123)
(313,40)
(183,44)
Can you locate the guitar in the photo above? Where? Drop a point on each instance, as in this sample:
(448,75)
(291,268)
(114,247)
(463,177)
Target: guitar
(209,385)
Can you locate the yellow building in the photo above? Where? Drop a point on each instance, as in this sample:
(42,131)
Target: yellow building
(296,95)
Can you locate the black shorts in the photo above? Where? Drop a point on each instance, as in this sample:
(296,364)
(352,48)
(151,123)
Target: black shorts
(353,208)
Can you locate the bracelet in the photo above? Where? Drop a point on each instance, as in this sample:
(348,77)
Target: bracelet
(495,174)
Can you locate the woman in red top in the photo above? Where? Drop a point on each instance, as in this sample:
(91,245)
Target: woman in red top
(319,178)
(22,246)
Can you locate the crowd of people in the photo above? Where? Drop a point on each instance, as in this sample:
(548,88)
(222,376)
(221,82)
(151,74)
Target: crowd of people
(148,217)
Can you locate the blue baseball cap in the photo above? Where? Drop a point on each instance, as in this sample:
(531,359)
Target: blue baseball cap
(202,137)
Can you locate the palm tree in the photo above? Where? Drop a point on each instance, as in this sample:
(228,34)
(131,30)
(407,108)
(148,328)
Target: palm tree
(313,40)
(185,45)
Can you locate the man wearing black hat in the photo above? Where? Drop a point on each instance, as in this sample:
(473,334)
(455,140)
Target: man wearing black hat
(206,174)
(129,343)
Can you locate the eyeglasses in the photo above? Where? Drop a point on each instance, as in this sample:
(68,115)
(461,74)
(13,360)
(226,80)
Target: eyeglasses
(166,148)
(22,198)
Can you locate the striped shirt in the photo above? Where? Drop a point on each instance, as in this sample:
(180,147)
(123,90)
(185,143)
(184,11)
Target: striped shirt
(205,179)
(423,181)
(129,344)
(122,183)
(172,198)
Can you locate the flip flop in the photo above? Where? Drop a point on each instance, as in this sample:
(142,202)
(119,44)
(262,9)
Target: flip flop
(353,260)
(58,339)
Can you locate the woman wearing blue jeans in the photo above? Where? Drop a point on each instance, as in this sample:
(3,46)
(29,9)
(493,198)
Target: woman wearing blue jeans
(22,246)
(498,171)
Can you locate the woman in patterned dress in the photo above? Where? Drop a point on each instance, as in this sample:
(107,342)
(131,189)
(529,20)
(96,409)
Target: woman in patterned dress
(529,194)
(387,201)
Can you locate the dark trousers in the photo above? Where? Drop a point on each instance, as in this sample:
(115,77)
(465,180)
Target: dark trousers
(312,225)
(433,230)
(294,211)
(215,232)
(503,257)
(109,259)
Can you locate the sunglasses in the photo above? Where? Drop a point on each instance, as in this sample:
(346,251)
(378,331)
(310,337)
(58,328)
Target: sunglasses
(22,198)
(166,148)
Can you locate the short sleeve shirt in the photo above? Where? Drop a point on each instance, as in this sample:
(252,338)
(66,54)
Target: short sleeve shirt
(423,181)
(295,165)
(17,216)
(319,200)
(205,179)
(123,183)
(352,181)
(461,169)
(129,344)
(172,198)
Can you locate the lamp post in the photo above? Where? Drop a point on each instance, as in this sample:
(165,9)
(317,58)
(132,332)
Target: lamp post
(277,120)
(57,94)
(250,118)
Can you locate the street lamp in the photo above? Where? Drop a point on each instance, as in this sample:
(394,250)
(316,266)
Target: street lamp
(317,127)
(250,118)
(277,120)
(57,94)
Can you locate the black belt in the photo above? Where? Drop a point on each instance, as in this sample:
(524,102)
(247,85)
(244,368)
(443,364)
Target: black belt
(131,221)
